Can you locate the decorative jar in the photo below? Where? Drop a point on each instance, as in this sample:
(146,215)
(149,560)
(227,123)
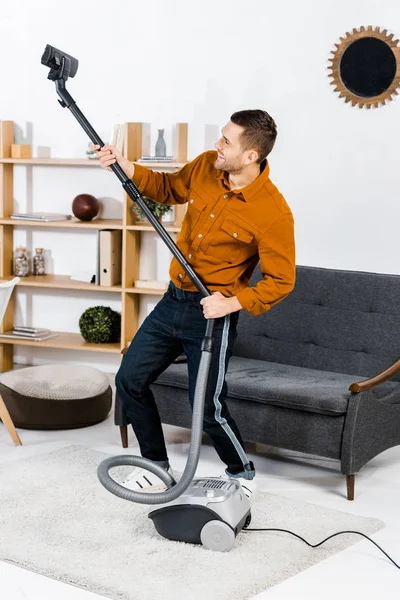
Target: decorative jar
(21,262)
(38,267)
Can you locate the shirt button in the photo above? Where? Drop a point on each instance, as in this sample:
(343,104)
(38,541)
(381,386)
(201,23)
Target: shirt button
(190,255)
(212,216)
(235,235)
(191,201)
(180,275)
(226,196)
(200,235)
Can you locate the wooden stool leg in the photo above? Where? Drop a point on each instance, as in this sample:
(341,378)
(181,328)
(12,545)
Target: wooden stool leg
(8,424)
(124,435)
(350,486)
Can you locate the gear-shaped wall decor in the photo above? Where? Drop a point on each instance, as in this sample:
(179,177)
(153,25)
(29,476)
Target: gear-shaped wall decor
(365,67)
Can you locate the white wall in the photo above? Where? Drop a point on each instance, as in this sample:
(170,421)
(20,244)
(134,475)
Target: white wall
(338,166)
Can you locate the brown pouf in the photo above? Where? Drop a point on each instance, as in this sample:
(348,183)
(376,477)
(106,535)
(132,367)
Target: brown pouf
(56,396)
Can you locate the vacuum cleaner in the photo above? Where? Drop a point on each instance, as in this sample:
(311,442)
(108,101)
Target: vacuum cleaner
(208,511)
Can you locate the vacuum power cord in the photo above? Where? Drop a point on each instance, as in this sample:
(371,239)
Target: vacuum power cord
(328,538)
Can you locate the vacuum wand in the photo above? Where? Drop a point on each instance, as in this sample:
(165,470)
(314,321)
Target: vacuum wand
(62,66)
(199,511)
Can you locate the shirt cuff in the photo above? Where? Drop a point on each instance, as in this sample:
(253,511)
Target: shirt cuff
(248,300)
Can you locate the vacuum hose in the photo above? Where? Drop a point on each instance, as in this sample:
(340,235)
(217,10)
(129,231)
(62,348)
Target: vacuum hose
(175,489)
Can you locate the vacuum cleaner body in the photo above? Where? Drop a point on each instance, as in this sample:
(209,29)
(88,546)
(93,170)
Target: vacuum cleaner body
(211,512)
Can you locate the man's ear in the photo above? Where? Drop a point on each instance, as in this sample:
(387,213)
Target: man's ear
(252,156)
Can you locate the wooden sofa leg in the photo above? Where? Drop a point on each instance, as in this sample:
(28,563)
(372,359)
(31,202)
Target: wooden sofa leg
(350,486)
(8,423)
(124,435)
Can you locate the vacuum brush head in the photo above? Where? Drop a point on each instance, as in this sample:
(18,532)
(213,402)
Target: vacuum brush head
(61,64)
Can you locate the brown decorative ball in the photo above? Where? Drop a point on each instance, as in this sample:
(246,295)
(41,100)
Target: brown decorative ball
(85,207)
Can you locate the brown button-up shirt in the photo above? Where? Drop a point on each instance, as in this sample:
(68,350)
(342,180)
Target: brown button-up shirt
(225,232)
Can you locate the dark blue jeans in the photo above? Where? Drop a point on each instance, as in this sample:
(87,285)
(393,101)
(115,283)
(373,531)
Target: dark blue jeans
(177,325)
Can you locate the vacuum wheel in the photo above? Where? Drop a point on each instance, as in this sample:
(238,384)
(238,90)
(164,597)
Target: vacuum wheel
(217,536)
(247,522)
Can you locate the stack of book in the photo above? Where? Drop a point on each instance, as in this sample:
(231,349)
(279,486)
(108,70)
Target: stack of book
(159,159)
(29,333)
(38,216)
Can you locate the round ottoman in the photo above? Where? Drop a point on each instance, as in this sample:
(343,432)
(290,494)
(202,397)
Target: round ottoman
(56,396)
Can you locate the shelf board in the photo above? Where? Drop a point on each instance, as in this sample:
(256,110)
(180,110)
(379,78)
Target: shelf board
(80,162)
(59,162)
(172,228)
(63,282)
(73,223)
(67,341)
(152,292)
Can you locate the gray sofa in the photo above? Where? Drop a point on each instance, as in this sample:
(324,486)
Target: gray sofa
(319,373)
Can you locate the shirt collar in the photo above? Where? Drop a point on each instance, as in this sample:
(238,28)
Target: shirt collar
(250,190)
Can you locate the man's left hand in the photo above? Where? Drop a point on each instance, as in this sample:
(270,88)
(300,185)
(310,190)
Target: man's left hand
(217,305)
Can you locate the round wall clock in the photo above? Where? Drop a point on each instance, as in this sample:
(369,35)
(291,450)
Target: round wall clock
(365,67)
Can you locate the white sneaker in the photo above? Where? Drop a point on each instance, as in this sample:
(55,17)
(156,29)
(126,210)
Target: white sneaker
(249,486)
(141,480)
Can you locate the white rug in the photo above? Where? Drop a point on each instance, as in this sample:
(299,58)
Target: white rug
(56,519)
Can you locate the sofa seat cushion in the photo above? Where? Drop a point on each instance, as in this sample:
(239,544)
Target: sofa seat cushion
(287,386)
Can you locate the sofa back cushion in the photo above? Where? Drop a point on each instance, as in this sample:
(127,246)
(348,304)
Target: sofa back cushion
(340,321)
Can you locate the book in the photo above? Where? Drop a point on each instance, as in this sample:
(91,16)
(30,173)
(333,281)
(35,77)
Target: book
(40,216)
(118,136)
(33,336)
(30,331)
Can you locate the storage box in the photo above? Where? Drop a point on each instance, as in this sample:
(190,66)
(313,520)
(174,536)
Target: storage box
(21,151)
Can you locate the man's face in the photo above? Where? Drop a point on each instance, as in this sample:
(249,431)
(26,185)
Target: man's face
(231,157)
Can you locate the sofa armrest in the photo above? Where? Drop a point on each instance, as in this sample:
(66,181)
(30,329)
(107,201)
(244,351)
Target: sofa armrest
(367,384)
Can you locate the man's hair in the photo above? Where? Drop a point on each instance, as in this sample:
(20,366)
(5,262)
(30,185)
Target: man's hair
(259,131)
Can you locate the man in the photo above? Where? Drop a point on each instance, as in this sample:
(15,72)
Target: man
(235,218)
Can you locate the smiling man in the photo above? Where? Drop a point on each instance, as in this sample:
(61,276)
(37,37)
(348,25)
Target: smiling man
(235,218)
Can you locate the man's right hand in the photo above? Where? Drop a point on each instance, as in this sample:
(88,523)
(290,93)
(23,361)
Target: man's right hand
(108,155)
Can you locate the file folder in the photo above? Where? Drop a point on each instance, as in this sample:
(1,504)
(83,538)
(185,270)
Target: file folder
(110,242)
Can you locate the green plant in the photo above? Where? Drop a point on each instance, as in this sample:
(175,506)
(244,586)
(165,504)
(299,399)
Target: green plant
(156,208)
(100,325)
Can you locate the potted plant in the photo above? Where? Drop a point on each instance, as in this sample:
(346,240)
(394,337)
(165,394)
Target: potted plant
(100,325)
(156,208)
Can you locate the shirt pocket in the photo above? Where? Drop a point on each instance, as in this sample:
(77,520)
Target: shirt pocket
(195,207)
(230,241)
